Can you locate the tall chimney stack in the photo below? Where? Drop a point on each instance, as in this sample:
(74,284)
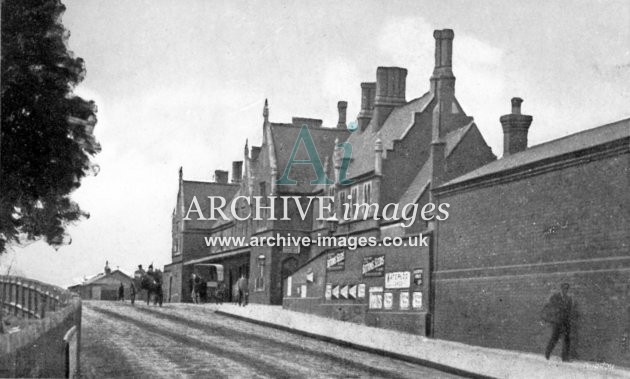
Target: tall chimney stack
(342,106)
(390,92)
(221,176)
(368,92)
(443,80)
(237,171)
(515,128)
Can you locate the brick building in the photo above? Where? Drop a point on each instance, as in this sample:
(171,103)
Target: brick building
(518,225)
(522,225)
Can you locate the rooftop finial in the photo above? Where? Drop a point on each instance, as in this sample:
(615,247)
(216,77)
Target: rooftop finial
(266,111)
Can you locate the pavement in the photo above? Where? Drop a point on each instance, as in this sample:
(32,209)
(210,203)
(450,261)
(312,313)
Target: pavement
(451,357)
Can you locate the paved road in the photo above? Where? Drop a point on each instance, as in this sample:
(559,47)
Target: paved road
(192,341)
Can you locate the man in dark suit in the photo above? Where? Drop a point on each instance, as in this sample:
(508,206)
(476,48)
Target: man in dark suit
(559,312)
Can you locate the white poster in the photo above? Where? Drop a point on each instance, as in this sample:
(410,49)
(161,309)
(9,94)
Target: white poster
(328,293)
(376,300)
(404,300)
(388,300)
(309,277)
(401,279)
(289,284)
(335,292)
(303,292)
(361,291)
(416,302)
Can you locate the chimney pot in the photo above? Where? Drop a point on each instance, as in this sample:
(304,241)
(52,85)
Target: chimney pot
(515,129)
(342,106)
(237,171)
(390,92)
(443,80)
(368,92)
(516,105)
(221,176)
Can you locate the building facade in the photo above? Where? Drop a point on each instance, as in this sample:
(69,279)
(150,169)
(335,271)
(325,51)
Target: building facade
(517,226)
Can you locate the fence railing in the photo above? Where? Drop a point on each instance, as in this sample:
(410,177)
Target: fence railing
(30,298)
(49,344)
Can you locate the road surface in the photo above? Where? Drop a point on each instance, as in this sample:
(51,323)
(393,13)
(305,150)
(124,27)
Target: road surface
(183,340)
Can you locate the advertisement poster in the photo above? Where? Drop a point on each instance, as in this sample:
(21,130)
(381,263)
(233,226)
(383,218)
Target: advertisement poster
(361,291)
(373,266)
(401,279)
(336,261)
(376,300)
(328,291)
(388,300)
(335,292)
(404,300)
(417,276)
(417,300)
(303,292)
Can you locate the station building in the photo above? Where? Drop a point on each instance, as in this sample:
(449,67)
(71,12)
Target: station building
(518,226)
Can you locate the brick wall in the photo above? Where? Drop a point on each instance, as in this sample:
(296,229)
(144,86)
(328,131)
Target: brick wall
(507,247)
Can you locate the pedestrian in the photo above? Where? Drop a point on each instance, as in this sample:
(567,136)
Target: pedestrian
(195,281)
(121,292)
(242,290)
(559,312)
(132,291)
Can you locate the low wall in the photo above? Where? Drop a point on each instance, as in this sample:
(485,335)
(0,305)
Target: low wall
(47,346)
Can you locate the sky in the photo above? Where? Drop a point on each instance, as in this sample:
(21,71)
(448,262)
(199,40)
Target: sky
(182,83)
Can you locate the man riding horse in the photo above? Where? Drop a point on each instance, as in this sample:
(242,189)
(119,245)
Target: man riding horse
(151,281)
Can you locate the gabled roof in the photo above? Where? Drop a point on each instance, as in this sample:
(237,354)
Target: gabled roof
(565,145)
(284,137)
(102,275)
(421,182)
(394,128)
(202,190)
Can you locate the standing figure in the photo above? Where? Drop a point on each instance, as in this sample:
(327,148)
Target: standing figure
(121,292)
(132,293)
(559,312)
(242,290)
(194,284)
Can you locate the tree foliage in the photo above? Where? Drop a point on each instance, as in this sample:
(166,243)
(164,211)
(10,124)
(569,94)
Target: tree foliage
(46,139)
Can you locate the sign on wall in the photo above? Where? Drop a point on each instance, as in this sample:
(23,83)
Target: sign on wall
(373,265)
(310,276)
(376,297)
(344,292)
(328,292)
(361,291)
(303,293)
(417,276)
(399,279)
(352,292)
(335,292)
(404,300)
(388,300)
(336,261)
(417,300)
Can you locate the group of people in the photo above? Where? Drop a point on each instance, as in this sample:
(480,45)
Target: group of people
(132,292)
(199,290)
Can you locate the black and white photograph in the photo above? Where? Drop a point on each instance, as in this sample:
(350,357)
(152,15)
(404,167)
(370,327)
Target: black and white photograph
(315,189)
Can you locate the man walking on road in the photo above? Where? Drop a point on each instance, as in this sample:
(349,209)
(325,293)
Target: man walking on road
(559,312)
(121,292)
(242,285)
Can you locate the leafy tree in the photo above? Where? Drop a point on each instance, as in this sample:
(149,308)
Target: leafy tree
(46,139)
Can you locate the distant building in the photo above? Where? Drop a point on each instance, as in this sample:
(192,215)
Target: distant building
(103,286)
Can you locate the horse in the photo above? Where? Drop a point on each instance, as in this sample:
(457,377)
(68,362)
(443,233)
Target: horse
(152,282)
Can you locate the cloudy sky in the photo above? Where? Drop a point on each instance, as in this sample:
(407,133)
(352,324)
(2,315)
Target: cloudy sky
(182,83)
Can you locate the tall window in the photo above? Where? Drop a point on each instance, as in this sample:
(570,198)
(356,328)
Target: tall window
(263,192)
(367,193)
